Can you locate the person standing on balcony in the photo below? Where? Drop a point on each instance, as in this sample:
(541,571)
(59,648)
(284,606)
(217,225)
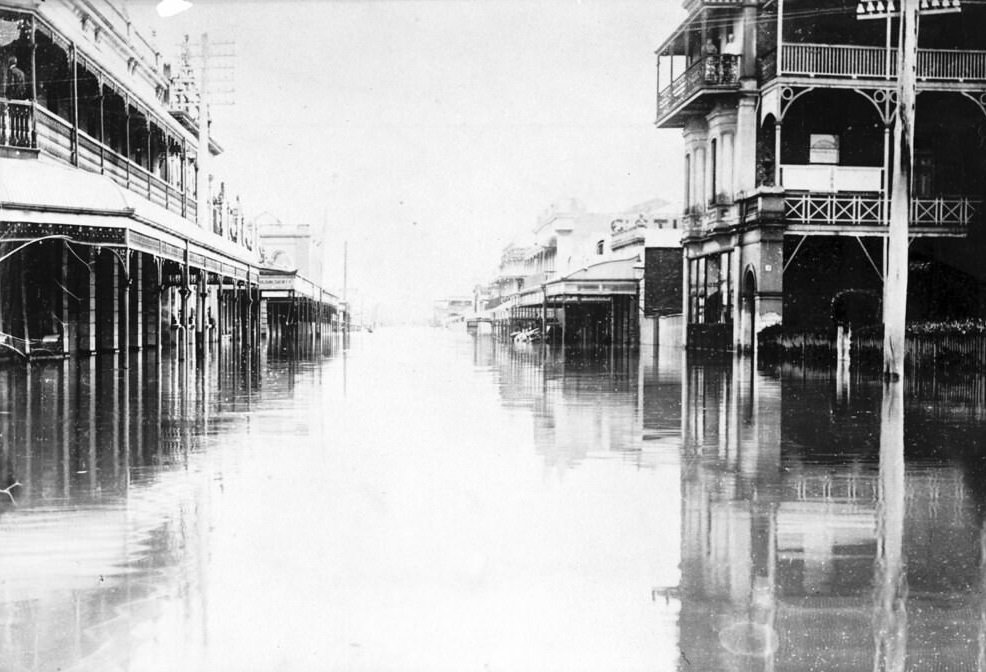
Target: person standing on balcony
(16,85)
(731,50)
(710,54)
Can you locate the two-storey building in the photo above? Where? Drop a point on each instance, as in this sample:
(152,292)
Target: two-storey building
(295,306)
(582,281)
(106,244)
(787,109)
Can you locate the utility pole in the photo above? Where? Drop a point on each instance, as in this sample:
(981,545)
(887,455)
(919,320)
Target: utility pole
(895,284)
(345,277)
(208,73)
(202,187)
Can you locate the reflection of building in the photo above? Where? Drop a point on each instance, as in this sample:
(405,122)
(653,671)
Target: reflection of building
(791,514)
(786,110)
(581,405)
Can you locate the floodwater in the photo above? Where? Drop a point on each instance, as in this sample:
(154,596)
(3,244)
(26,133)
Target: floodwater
(425,500)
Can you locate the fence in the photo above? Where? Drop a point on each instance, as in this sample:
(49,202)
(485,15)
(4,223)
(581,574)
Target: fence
(940,351)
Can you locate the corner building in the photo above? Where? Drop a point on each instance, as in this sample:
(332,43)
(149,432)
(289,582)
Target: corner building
(787,110)
(107,243)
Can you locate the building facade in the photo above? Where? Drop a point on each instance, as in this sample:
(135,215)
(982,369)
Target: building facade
(582,280)
(787,109)
(108,242)
(295,307)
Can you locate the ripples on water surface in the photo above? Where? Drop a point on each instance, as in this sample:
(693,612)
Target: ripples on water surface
(427,501)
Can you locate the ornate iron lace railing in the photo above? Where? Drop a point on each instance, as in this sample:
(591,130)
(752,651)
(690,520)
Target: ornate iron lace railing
(708,72)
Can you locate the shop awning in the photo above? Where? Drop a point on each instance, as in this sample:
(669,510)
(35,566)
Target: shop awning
(593,283)
(38,198)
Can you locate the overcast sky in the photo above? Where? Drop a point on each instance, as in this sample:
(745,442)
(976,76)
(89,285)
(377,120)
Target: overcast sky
(429,134)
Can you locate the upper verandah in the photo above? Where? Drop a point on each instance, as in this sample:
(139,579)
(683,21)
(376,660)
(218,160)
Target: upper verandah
(720,43)
(106,40)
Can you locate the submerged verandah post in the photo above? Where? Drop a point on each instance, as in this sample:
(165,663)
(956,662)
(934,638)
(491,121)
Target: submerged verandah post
(895,284)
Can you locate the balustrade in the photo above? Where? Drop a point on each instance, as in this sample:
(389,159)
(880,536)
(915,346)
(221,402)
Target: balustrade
(839,60)
(708,72)
(55,138)
(16,123)
(836,209)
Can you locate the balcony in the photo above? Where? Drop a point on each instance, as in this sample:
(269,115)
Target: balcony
(708,74)
(859,213)
(717,215)
(24,126)
(941,215)
(855,62)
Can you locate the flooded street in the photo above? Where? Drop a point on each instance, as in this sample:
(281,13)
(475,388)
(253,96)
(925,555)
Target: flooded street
(425,500)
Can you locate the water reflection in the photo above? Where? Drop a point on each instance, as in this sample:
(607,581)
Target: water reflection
(105,541)
(459,503)
(816,533)
(807,542)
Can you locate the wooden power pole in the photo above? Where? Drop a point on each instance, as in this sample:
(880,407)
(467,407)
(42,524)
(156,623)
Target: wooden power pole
(895,283)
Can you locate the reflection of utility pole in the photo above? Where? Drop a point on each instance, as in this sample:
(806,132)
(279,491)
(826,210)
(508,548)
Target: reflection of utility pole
(890,619)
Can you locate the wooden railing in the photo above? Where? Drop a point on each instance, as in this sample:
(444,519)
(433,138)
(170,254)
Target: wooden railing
(55,138)
(836,60)
(25,125)
(868,210)
(832,60)
(709,72)
(943,64)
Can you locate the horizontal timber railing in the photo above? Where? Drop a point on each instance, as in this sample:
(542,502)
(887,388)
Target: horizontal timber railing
(55,138)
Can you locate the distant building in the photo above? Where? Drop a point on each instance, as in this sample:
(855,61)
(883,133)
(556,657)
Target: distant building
(581,278)
(296,304)
(290,247)
(451,310)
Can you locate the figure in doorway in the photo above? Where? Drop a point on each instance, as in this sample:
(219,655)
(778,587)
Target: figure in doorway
(16,85)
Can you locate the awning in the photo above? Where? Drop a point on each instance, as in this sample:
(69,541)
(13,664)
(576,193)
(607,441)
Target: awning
(600,281)
(39,184)
(277,283)
(39,198)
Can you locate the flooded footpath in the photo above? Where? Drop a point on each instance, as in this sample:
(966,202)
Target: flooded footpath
(425,500)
